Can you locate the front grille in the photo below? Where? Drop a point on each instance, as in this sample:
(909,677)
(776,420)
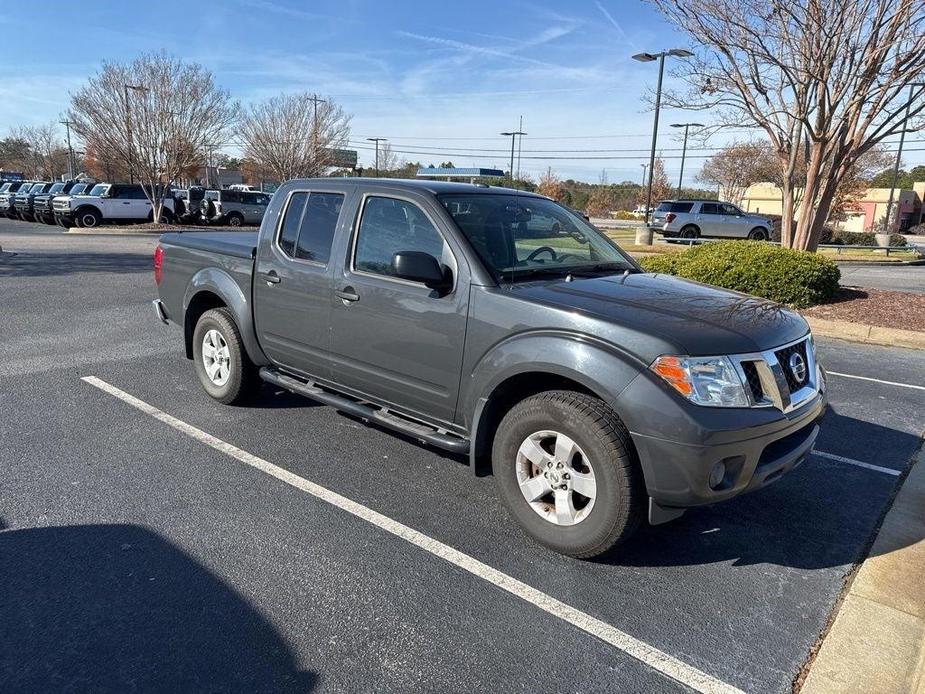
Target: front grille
(784,355)
(754,382)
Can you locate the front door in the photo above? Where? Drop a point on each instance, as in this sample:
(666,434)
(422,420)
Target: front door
(292,283)
(394,340)
(737,225)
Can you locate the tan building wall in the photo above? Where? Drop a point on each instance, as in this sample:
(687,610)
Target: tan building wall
(765,198)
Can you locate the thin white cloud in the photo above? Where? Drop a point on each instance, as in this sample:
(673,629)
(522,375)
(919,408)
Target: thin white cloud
(610,19)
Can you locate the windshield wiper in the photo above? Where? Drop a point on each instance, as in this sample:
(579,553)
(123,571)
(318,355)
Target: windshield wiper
(598,268)
(534,272)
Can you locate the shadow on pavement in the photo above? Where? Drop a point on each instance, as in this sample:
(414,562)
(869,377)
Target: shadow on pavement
(821,515)
(116,608)
(49,264)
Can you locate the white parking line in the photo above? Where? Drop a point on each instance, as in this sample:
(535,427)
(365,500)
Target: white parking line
(876,380)
(651,656)
(858,463)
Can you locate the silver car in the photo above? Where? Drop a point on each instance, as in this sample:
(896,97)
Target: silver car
(234,207)
(691,219)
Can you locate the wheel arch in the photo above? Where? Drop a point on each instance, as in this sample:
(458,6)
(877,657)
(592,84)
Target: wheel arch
(88,206)
(566,364)
(214,288)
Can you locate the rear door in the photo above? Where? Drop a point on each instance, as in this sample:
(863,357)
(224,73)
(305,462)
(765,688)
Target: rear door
(394,340)
(292,283)
(710,220)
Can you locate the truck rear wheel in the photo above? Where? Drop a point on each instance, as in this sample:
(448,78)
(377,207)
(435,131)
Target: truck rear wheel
(221,362)
(568,474)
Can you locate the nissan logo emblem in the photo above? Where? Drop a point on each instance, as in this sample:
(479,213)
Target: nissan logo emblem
(797,367)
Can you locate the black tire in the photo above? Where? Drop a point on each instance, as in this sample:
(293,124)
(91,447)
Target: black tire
(619,502)
(758,234)
(49,219)
(243,379)
(61,222)
(234,219)
(88,218)
(690,232)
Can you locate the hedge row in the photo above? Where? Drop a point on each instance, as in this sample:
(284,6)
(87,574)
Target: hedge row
(854,238)
(791,277)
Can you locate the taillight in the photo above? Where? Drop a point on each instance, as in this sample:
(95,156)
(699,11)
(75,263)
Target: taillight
(158,263)
(670,217)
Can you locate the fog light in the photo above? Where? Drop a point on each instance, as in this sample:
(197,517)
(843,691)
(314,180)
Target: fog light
(717,474)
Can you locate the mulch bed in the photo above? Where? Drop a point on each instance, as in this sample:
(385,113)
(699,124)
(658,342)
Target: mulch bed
(879,307)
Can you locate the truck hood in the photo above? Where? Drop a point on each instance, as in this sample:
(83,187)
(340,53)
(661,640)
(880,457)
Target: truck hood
(699,319)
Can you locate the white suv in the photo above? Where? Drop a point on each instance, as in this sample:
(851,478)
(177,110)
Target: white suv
(109,202)
(691,219)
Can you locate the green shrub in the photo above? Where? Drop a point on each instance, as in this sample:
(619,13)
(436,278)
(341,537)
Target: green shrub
(791,277)
(855,238)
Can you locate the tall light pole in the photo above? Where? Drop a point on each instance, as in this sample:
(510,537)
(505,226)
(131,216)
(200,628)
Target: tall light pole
(645,167)
(686,127)
(899,154)
(648,58)
(377,140)
(128,127)
(71,165)
(513,135)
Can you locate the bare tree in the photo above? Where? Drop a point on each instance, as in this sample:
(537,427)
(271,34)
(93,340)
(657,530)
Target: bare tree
(737,166)
(388,160)
(154,116)
(661,187)
(551,186)
(826,82)
(37,150)
(293,135)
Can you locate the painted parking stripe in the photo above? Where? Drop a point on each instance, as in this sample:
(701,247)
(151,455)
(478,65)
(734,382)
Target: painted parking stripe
(858,463)
(641,651)
(876,380)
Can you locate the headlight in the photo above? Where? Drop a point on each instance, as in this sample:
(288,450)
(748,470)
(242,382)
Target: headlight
(710,381)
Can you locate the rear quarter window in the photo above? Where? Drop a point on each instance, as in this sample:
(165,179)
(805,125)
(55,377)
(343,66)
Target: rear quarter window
(675,207)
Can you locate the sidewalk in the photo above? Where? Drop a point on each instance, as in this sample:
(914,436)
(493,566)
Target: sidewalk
(877,641)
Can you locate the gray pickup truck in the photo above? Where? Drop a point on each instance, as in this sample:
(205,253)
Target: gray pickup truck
(500,325)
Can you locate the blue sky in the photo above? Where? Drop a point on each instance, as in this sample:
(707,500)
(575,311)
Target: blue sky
(440,76)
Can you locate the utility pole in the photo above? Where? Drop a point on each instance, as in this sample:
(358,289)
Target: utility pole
(513,136)
(520,142)
(899,154)
(377,140)
(644,169)
(71,164)
(315,99)
(686,127)
(128,127)
(648,58)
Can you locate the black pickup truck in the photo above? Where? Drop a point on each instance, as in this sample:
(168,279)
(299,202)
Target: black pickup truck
(500,325)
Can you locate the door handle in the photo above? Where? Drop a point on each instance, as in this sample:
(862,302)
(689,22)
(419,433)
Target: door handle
(271,277)
(347,295)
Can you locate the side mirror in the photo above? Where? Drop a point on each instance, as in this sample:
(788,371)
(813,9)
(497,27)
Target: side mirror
(416,266)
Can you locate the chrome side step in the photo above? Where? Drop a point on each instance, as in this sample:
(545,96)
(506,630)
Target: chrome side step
(368,412)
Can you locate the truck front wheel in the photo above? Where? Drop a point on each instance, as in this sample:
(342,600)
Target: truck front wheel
(567,472)
(224,369)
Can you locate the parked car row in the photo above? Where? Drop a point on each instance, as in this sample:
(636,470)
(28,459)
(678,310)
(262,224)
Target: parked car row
(88,205)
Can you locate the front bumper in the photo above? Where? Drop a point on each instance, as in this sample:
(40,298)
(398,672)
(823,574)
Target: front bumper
(677,474)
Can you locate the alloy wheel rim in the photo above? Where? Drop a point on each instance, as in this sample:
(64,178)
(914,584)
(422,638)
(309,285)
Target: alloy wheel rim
(556,478)
(216,357)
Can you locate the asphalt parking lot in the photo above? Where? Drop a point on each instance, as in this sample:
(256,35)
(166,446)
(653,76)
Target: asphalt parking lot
(139,555)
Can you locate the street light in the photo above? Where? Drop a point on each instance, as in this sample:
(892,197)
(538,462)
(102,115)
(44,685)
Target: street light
(686,127)
(899,154)
(648,58)
(128,127)
(377,140)
(513,135)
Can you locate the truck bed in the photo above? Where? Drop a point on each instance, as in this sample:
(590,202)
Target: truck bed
(240,244)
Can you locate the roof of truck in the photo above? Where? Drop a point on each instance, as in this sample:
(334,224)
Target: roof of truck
(435,187)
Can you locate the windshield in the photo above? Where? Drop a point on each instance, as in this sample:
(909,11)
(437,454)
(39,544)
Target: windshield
(38,188)
(519,236)
(5,187)
(99,189)
(56,187)
(78,188)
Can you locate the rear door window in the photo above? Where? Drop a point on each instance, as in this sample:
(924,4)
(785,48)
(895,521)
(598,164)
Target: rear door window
(291,221)
(709,208)
(319,221)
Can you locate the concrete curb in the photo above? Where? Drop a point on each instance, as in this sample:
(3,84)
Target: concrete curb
(871,334)
(152,232)
(877,641)
(878,263)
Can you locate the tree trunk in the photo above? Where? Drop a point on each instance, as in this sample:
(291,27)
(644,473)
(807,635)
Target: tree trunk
(786,216)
